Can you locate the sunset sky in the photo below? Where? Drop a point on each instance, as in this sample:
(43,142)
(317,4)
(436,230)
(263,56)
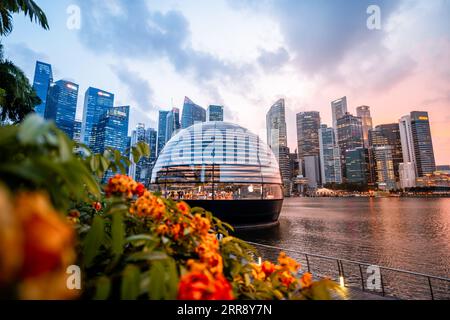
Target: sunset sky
(245,54)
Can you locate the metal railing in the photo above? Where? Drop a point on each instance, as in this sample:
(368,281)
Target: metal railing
(393,282)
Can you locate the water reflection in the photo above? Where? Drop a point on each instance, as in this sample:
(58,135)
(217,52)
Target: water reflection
(410,234)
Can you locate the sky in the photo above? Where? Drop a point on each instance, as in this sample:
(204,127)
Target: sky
(246,54)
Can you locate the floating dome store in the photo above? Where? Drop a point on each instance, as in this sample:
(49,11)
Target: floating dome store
(223,168)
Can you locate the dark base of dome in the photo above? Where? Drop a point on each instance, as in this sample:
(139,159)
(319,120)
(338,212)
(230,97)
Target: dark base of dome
(243,213)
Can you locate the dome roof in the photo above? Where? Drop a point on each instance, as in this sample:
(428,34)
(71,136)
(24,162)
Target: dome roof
(217,153)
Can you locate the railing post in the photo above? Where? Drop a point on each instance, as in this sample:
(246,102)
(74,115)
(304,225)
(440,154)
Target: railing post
(382,284)
(362,277)
(431,288)
(307,263)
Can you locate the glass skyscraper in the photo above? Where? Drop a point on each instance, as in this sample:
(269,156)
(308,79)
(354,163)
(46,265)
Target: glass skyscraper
(141,171)
(43,77)
(162,130)
(338,110)
(61,105)
(77,131)
(423,144)
(366,120)
(96,103)
(192,114)
(111,131)
(330,159)
(172,123)
(350,136)
(356,166)
(277,139)
(214,113)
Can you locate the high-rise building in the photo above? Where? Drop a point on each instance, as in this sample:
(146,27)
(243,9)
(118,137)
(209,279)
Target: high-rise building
(330,158)
(349,136)
(311,171)
(111,131)
(172,123)
(366,120)
(96,103)
(61,105)
(356,166)
(214,113)
(390,134)
(338,110)
(417,143)
(308,125)
(162,119)
(383,167)
(77,131)
(407,172)
(277,139)
(192,114)
(141,171)
(423,144)
(43,77)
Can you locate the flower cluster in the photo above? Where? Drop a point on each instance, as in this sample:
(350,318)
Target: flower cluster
(124,185)
(148,206)
(203,286)
(36,247)
(284,272)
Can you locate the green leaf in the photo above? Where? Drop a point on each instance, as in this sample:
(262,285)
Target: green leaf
(130,283)
(118,234)
(102,288)
(147,256)
(93,240)
(32,127)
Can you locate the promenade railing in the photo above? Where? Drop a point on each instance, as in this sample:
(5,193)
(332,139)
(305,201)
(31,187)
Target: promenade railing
(380,280)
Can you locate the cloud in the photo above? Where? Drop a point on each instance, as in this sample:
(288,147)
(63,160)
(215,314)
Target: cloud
(139,90)
(24,57)
(271,61)
(129,29)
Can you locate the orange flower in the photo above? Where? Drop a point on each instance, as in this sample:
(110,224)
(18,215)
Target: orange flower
(306,280)
(268,268)
(288,263)
(122,184)
(200,224)
(257,272)
(200,286)
(49,241)
(287,278)
(139,190)
(148,206)
(183,207)
(162,229)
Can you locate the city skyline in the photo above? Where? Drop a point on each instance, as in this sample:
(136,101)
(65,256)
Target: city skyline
(395,78)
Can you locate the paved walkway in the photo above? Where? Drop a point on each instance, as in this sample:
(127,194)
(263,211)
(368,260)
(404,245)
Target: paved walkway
(358,294)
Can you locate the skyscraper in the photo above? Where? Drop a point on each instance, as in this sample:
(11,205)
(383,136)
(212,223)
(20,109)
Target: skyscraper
(172,123)
(330,158)
(96,103)
(356,166)
(192,114)
(77,131)
(43,77)
(416,142)
(277,139)
(61,105)
(338,110)
(111,131)
(388,135)
(141,171)
(383,167)
(364,113)
(214,113)
(407,172)
(308,125)
(162,130)
(349,134)
(423,144)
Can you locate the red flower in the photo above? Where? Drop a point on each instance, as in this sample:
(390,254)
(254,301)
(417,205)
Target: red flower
(200,286)
(97,206)
(139,190)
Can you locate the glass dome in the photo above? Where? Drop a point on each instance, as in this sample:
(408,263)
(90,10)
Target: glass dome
(217,161)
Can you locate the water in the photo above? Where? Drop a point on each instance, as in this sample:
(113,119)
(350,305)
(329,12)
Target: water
(406,233)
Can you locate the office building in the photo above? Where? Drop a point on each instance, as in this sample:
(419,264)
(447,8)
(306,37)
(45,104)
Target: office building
(407,172)
(356,166)
(172,123)
(349,136)
(192,114)
(423,144)
(77,131)
(96,103)
(366,120)
(383,167)
(338,110)
(214,113)
(277,138)
(61,105)
(162,121)
(43,77)
(330,159)
(311,171)
(308,125)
